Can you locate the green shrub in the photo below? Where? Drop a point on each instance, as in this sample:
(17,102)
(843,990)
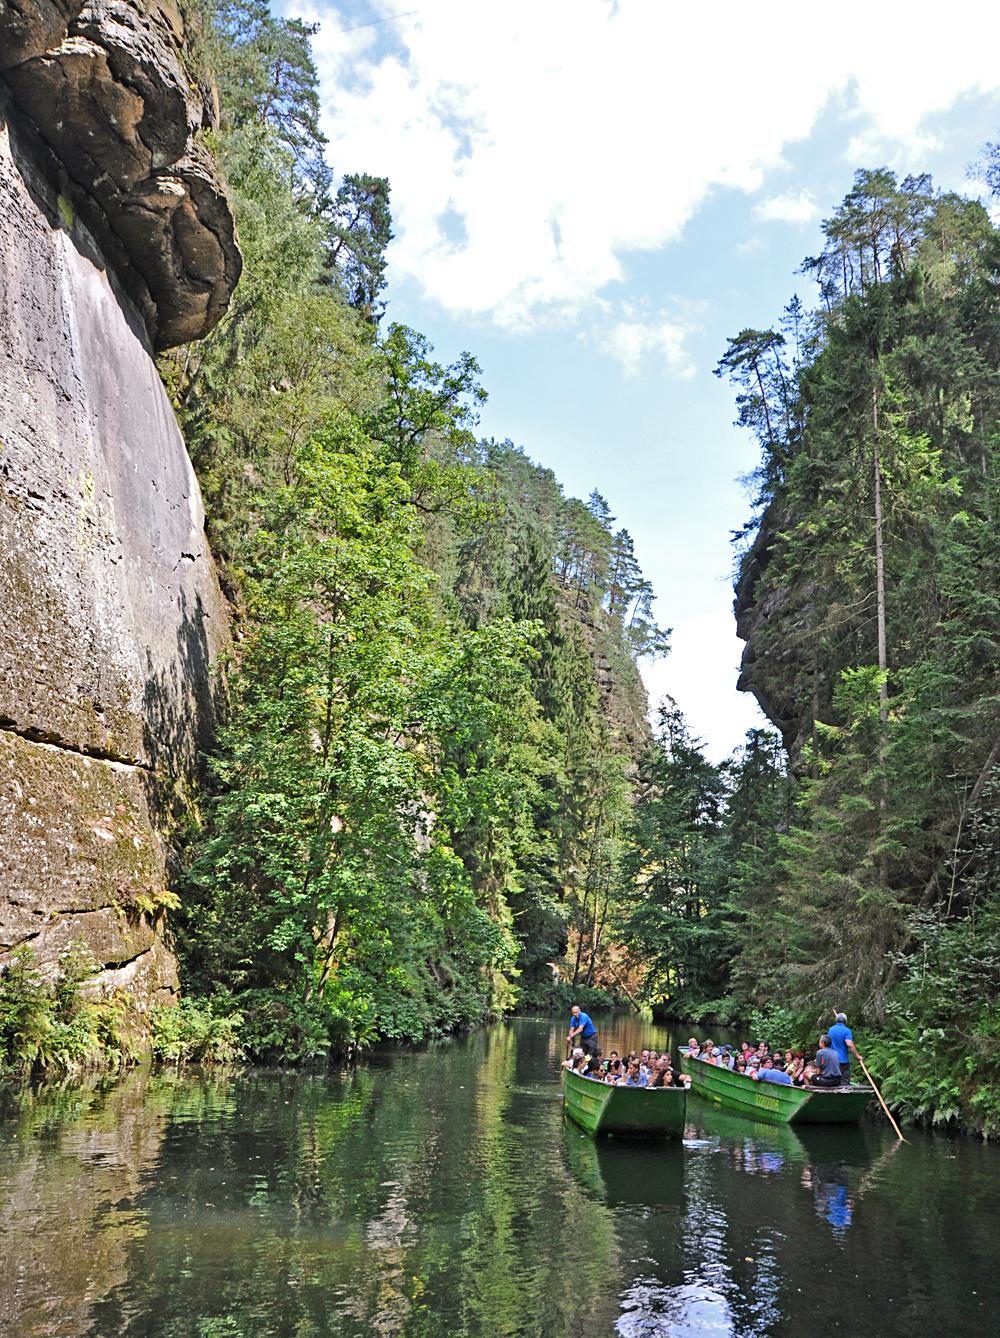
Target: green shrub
(57,1026)
(938,1058)
(782,1026)
(720,1012)
(282,1028)
(198,1031)
(26,1012)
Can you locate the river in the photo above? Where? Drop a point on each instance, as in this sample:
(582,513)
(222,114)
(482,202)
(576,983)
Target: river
(439,1192)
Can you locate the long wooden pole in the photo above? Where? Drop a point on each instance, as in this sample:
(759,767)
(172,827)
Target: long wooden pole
(888,1112)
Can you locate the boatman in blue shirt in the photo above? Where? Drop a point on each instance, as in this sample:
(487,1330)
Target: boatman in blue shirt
(842,1040)
(581,1030)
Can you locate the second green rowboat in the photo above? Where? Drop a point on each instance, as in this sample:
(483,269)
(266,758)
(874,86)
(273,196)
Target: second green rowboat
(772,1102)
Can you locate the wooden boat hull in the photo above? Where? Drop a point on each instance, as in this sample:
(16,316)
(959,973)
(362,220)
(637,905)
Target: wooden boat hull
(604,1108)
(772,1103)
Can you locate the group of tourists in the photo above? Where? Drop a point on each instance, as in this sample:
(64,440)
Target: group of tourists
(645,1068)
(830,1066)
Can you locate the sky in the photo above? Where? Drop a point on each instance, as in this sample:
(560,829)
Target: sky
(591,196)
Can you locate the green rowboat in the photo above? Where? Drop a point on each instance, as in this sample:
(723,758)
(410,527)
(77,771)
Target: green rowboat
(609,1108)
(772,1103)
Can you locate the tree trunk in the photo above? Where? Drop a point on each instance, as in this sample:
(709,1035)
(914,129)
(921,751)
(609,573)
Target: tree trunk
(883,686)
(579,937)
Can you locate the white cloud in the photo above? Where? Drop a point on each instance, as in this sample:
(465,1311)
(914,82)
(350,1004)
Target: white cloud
(635,335)
(563,136)
(792,207)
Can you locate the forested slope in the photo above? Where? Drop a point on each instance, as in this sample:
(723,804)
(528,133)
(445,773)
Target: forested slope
(417,804)
(868,595)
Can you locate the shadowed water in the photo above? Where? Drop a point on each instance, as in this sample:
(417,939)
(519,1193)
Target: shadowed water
(440,1192)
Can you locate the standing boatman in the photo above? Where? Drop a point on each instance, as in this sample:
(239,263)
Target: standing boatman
(581,1030)
(842,1040)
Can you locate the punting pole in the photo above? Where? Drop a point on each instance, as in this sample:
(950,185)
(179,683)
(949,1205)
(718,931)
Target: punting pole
(888,1112)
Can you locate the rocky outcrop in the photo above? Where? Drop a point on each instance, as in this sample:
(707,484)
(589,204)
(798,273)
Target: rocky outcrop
(779,666)
(110,611)
(118,116)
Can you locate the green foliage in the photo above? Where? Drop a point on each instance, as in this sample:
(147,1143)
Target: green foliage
(781,1025)
(938,1058)
(58,1026)
(674,921)
(563,995)
(196,1031)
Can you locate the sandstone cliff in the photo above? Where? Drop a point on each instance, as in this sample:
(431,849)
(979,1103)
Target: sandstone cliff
(781,664)
(116,238)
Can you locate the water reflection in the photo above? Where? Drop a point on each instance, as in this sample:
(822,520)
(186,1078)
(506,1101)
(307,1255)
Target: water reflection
(822,1159)
(74,1162)
(442,1193)
(626,1173)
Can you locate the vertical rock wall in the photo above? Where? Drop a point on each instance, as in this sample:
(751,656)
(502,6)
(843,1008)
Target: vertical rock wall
(110,610)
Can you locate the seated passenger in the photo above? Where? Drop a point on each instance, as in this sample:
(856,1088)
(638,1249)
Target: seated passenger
(692,1047)
(656,1076)
(635,1078)
(596,1066)
(741,1064)
(768,1073)
(674,1076)
(827,1065)
(613,1058)
(582,1066)
(705,1052)
(662,1075)
(727,1060)
(571,1061)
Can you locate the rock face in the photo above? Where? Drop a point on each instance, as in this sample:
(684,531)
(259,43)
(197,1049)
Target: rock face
(113,224)
(791,684)
(106,86)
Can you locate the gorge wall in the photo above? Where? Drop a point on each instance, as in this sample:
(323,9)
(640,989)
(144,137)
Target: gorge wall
(780,666)
(116,238)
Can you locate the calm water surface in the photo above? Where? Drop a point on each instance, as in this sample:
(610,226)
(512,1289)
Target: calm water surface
(441,1193)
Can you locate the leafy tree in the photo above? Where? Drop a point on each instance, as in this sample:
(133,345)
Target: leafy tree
(674,919)
(360,230)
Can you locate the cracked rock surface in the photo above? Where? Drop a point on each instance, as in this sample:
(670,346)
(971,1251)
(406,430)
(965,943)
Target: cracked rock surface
(111,615)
